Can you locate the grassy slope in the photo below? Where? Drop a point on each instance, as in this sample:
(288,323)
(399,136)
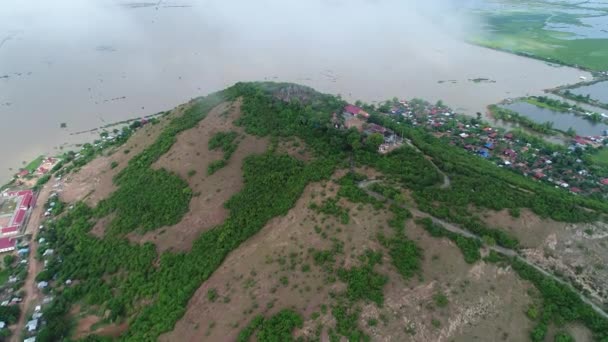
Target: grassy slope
(601,158)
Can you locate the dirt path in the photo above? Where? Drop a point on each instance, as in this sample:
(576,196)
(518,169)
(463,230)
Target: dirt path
(504,251)
(34,266)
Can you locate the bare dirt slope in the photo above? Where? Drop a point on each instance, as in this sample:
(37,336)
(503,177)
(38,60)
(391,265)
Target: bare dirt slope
(577,252)
(530,229)
(274,270)
(94,181)
(190,154)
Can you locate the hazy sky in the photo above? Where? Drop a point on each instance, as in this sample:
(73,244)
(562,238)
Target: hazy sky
(92,62)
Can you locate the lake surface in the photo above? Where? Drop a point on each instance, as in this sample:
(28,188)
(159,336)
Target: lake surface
(597,91)
(88,63)
(561,121)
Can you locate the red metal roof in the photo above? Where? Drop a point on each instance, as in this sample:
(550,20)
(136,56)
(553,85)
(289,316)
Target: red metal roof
(604,181)
(27,200)
(7,230)
(352,109)
(575,189)
(7,243)
(18,220)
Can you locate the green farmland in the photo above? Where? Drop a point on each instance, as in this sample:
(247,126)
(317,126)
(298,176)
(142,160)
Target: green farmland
(533,31)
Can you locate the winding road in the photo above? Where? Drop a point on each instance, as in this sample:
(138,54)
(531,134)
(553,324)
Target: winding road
(504,251)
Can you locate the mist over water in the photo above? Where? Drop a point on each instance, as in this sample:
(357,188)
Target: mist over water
(88,63)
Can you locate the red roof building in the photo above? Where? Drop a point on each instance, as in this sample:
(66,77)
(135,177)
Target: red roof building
(510,153)
(9,230)
(604,181)
(23,173)
(18,219)
(7,244)
(575,189)
(580,140)
(539,175)
(354,110)
(509,136)
(27,201)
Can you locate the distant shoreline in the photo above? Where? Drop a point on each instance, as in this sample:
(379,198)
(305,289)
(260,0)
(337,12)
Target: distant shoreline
(114,124)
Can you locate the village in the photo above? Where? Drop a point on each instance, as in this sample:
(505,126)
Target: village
(26,203)
(565,167)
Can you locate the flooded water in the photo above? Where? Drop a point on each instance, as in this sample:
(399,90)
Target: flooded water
(93,62)
(561,121)
(597,91)
(593,28)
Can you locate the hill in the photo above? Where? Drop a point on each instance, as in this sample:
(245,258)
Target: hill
(252,214)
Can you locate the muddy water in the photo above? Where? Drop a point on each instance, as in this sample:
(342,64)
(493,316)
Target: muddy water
(561,121)
(597,91)
(104,61)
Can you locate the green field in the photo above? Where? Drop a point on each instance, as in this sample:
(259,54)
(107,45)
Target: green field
(34,164)
(601,157)
(524,32)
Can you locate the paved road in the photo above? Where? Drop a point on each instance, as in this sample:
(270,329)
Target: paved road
(30,290)
(504,251)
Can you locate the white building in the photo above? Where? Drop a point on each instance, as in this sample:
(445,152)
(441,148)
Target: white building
(32,325)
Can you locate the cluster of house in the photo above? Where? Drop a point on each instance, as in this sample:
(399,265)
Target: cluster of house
(355,117)
(45,166)
(563,169)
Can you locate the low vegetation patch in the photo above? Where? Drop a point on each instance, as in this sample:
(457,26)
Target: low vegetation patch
(224,141)
(276,328)
(468,246)
(331,207)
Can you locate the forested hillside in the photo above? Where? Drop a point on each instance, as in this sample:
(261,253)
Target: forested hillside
(150,292)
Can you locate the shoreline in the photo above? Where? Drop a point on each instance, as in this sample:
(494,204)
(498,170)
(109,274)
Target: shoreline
(118,123)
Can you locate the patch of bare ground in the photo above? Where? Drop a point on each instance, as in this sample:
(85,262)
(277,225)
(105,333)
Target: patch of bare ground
(189,158)
(294,147)
(484,302)
(579,332)
(275,270)
(89,323)
(111,330)
(99,229)
(530,229)
(577,253)
(94,181)
(84,326)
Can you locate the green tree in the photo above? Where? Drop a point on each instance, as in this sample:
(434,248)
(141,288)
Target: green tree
(9,260)
(354,139)
(374,141)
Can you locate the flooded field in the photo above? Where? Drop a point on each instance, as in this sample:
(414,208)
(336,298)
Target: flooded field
(597,91)
(561,121)
(90,63)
